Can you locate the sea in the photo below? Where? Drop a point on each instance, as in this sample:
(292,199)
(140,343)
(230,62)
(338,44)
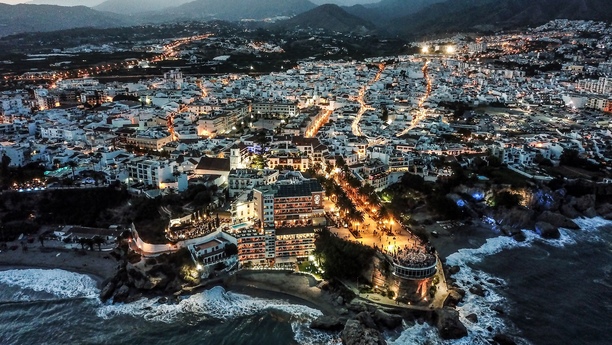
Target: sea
(544,292)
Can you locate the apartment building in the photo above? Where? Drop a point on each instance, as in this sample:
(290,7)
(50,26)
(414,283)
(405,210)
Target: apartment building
(289,109)
(292,202)
(150,172)
(152,142)
(241,180)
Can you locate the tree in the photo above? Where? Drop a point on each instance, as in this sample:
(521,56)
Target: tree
(231,249)
(572,158)
(341,163)
(366,189)
(507,199)
(72,165)
(90,243)
(385,113)
(99,241)
(494,161)
(445,207)
(356,216)
(383,213)
(342,259)
(6,161)
(82,241)
(126,98)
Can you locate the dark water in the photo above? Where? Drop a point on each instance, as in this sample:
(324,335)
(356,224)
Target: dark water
(559,294)
(553,292)
(32,312)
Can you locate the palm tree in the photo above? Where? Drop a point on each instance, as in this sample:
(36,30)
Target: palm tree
(383,213)
(99,241)
(90,243)
(72,165)
(82,241)
(356,216)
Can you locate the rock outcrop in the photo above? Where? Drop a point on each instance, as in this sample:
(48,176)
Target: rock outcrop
(605,210)
(583,203)
(547,230)
(448,324)
(477,290)
(121,294)
(136,276)
(453,270)
(569,211)
(558,220)
(362,331)
(386,320)
(328,323)
(455,296)
(107,291)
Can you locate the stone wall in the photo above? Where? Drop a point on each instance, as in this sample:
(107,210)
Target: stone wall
(409,290)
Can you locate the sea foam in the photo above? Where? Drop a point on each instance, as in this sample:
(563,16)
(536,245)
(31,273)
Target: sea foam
(214,303)
(59,283)
(592,224)
(425,334)
(489,323)
(220,304)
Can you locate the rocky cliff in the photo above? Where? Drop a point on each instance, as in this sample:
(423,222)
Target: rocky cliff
(137,276)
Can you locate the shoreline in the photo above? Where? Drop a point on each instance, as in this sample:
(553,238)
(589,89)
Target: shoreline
(93,275)
(100,266)
(258,292)
(256,284)
(283,285)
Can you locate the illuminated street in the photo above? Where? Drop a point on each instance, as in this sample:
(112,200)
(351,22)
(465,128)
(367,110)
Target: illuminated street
(361,99)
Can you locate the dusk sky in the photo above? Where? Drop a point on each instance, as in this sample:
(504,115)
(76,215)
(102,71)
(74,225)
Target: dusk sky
(88,2)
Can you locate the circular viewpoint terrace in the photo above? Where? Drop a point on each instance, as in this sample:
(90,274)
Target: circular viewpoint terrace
(413,264)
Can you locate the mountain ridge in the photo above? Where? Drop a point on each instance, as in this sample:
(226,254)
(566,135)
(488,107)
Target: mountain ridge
(66,3)
(479,15)
(31,18)
(137,6)
(329,17)
(385,10)
(233,10)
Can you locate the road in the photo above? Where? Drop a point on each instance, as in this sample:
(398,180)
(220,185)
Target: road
(320,121)
(421,112)
(170,50)
(361,99)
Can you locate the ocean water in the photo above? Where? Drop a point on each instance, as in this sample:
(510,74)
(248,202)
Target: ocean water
(59,307)
(551,291)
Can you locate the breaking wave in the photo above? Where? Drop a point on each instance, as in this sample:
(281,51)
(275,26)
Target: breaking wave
(489,321)
(33,285)
(54,282)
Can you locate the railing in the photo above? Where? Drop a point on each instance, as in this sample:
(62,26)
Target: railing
(408,272)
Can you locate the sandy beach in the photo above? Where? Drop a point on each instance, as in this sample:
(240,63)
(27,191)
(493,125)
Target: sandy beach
(99,265)
(296,288)
(284,285)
